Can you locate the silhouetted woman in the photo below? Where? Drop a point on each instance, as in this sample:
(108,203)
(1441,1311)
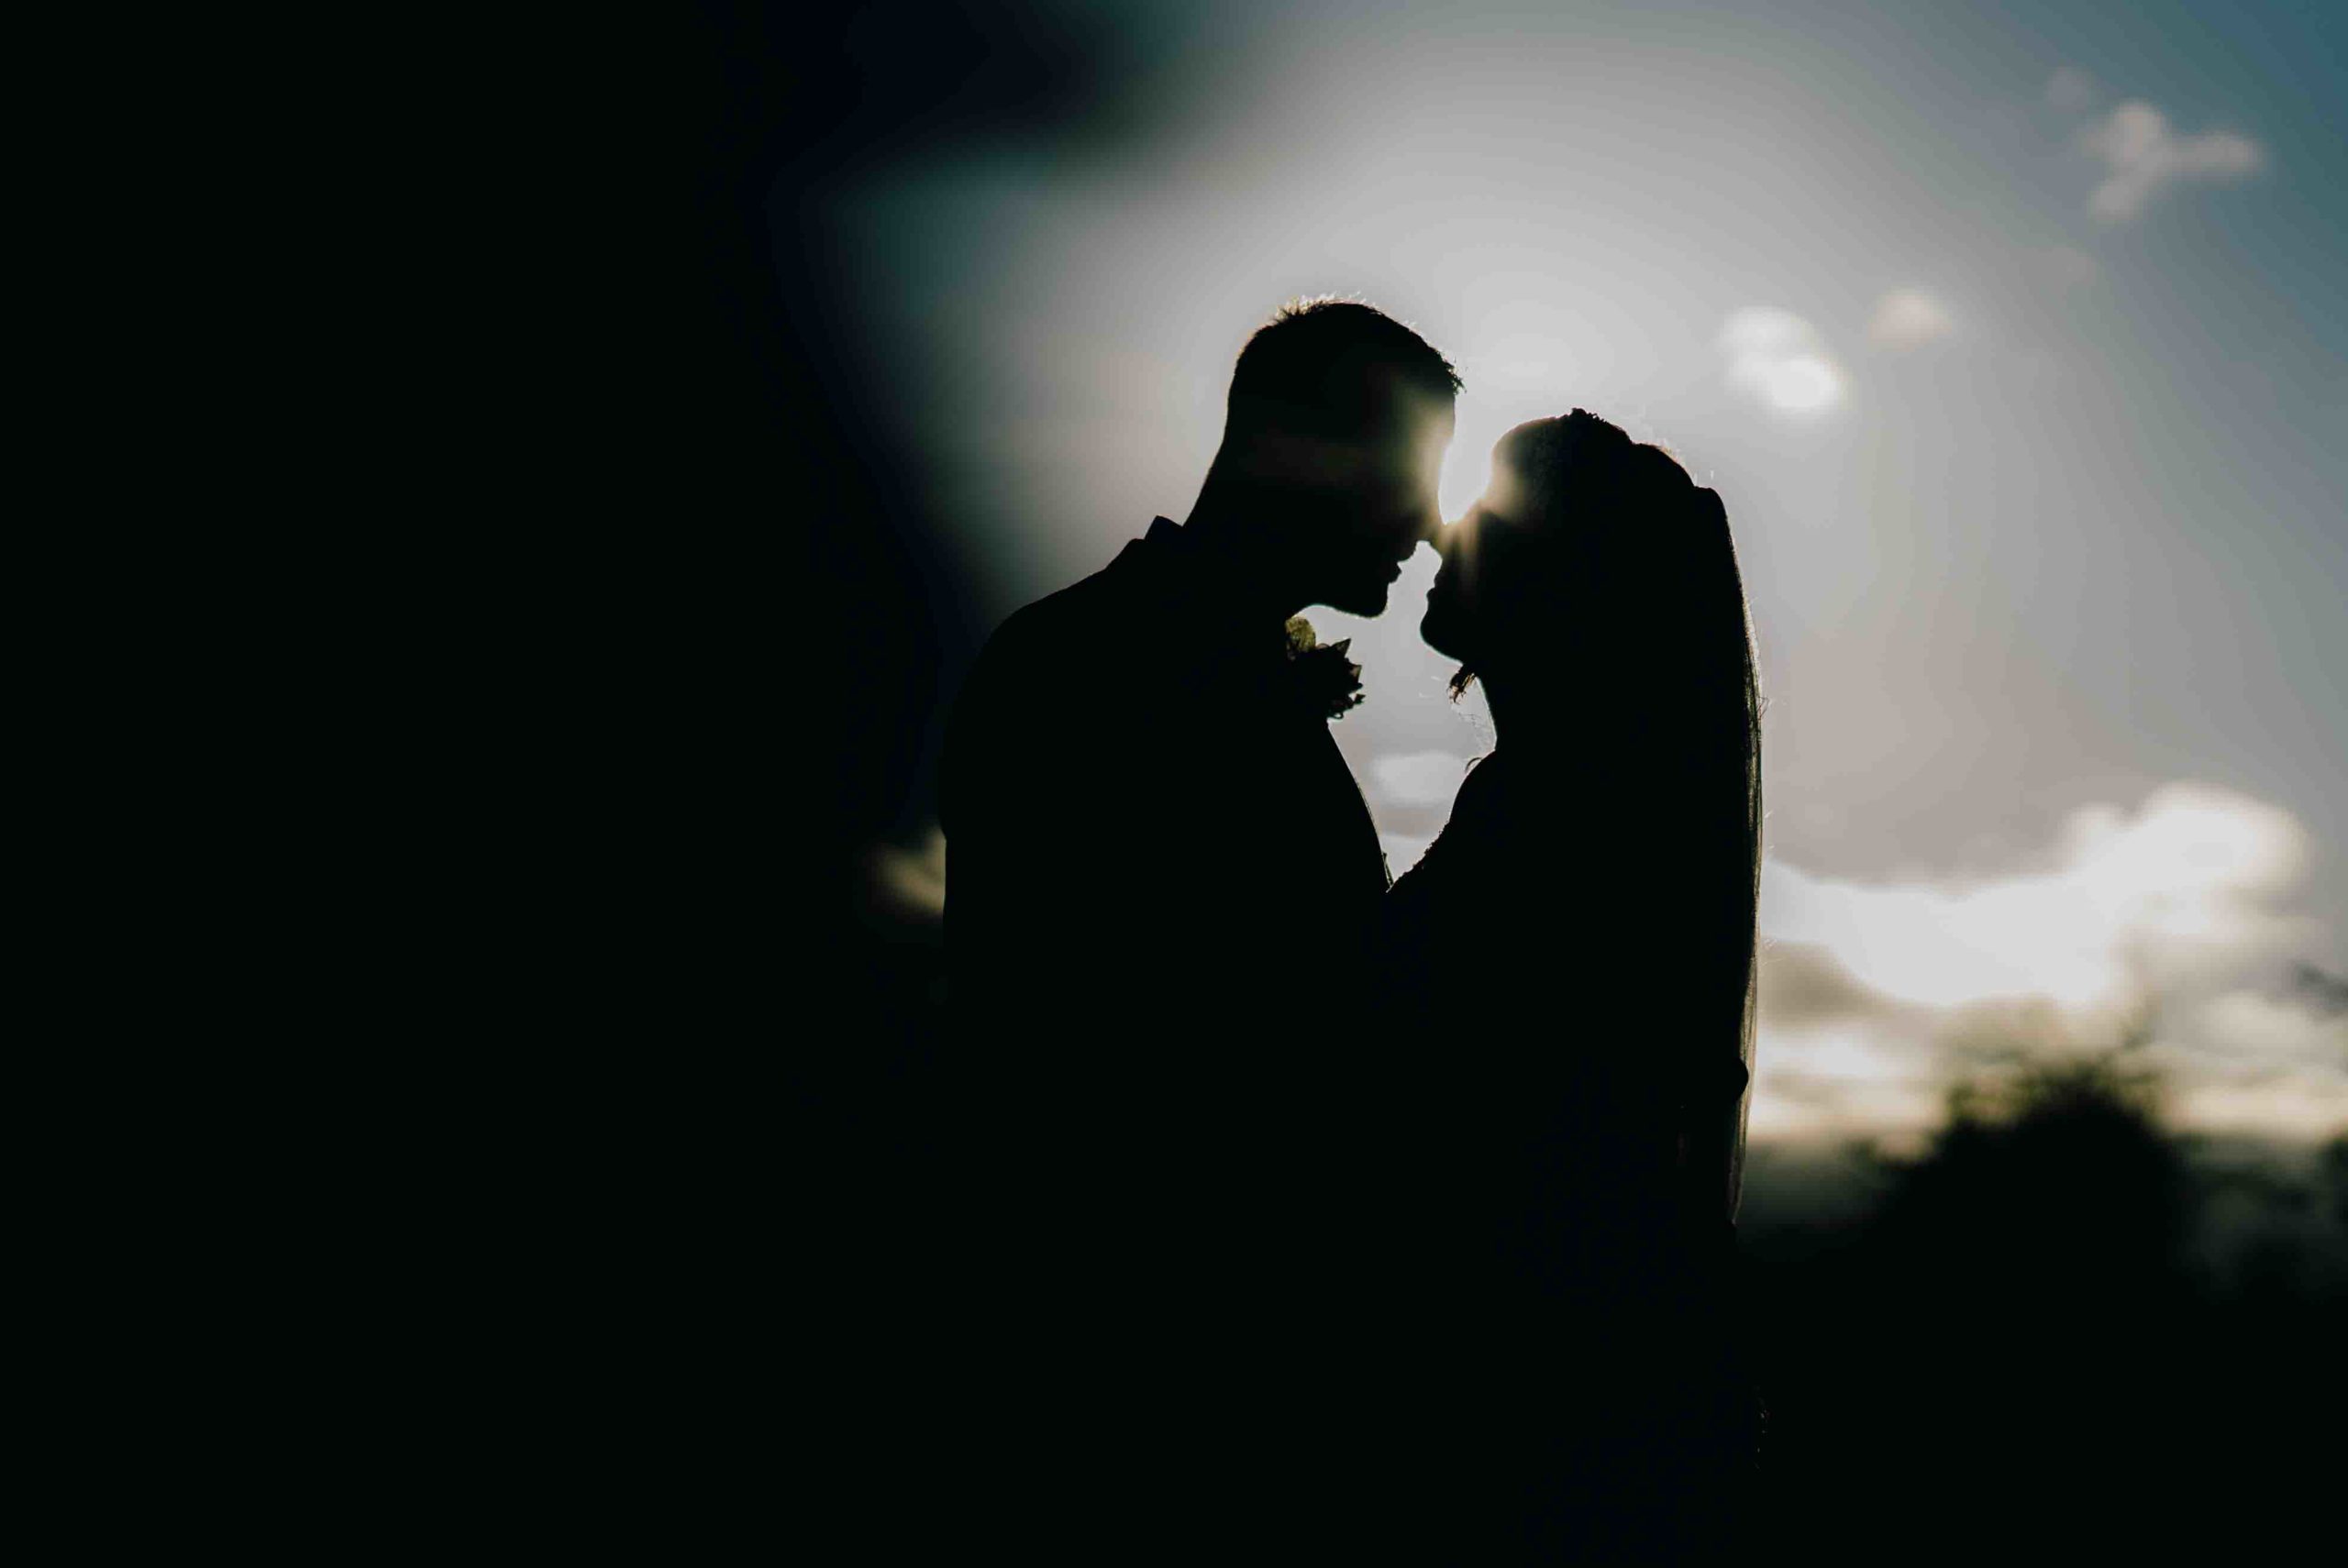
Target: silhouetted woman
(1571,966)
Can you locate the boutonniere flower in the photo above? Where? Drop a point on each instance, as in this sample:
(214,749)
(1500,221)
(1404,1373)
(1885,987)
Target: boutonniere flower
(1325,682)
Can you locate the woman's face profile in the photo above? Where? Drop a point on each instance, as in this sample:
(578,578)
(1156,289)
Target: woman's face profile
(1479,585)
(1451,599)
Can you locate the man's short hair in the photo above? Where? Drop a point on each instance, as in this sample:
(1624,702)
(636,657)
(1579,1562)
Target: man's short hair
(1330,367)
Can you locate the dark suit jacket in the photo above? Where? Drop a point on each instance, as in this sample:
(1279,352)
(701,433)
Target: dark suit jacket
(1161,886)
(1141,821)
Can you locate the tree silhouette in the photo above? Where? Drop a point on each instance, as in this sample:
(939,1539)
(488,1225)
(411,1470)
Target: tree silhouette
(2025,1340)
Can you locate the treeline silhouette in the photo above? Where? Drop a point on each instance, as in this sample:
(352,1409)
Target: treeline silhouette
(2062,1327)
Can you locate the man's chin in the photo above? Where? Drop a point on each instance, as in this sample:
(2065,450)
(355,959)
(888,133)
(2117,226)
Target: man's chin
(1367,600)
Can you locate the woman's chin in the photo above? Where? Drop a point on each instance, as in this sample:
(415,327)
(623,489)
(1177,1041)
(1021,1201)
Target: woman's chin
(1435,631)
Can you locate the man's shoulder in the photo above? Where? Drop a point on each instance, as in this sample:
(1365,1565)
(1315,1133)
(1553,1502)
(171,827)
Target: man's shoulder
(1067,624)
(1073,675)
(1092,641)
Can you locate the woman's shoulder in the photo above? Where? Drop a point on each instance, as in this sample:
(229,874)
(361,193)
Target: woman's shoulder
(1486,781)
(1516,840)
(1452,860)
(1493,808)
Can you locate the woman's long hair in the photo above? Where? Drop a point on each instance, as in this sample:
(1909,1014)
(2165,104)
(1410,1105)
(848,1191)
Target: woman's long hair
(1622,583)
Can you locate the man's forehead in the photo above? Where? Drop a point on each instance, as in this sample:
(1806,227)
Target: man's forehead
(1406,399)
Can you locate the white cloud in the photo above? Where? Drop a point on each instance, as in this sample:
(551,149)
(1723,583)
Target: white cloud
(2270,1030)
(2070,90)
(1780,359)
(2288,1107)
(1909,318)
(2182,881)
(2143,155)
(1419,778)
(2167,924)
(1822,1082)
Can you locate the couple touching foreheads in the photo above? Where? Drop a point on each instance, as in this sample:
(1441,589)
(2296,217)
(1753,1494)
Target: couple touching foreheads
(1302,1214)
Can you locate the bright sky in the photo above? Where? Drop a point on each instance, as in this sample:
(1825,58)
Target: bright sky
(2017,346)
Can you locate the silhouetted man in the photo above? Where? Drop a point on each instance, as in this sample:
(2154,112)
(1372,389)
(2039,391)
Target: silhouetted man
(1161,885)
